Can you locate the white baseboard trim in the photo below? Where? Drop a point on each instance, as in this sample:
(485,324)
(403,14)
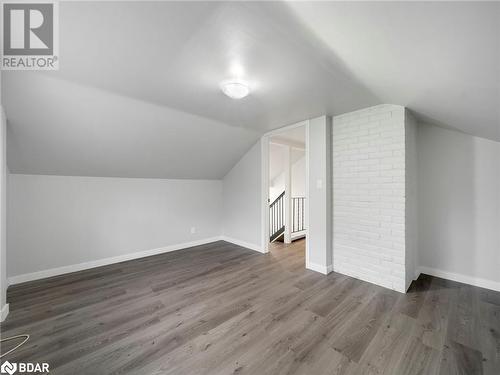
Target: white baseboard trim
(106,261)
(4,312)
(297,235)
(248,245)
(417,274)
(475,281)
(325,270)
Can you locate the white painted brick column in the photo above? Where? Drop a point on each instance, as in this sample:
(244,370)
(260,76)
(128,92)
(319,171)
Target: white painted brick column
(369,195)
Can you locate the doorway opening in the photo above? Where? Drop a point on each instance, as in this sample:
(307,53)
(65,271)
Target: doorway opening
(286,185)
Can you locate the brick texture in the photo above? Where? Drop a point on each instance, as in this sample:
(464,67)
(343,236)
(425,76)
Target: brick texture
(369,199)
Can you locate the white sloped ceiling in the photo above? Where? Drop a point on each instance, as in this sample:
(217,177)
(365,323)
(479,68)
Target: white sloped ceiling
(137,93)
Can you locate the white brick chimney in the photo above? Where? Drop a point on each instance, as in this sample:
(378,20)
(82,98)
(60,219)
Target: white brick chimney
(374,195)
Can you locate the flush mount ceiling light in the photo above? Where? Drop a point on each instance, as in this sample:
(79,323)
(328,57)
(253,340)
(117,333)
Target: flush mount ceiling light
(235,89)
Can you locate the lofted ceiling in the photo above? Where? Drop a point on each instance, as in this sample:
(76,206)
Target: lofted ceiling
(439,59)
(137,93)
(63,128)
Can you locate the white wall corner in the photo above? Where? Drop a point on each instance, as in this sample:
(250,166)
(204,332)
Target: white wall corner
(264,187)
(4,312)
(465,279)
(248,245)
(417,273)
(325,270)
(243,213)
(400,288)
(287,156)
(3,214)
(411,204)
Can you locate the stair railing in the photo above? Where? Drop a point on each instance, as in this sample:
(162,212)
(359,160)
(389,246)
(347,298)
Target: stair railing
(277,217)
(298,210)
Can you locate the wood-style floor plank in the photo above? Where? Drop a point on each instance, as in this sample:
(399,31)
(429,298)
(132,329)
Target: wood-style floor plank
(458,359)
(223,309)
(355,339)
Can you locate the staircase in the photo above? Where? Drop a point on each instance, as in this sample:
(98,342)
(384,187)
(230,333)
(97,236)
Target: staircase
(277,217)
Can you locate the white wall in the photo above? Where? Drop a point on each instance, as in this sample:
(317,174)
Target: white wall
(3,219)
(57,221)
(277,185)
(112,135)
(411,199)
(369,195)
(299,178)
(242,200)
(459,206)
(319,202)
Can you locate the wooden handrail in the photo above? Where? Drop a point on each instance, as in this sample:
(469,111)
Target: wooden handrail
(280,196)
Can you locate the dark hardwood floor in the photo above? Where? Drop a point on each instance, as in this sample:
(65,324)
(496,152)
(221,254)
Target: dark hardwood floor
(223,309)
